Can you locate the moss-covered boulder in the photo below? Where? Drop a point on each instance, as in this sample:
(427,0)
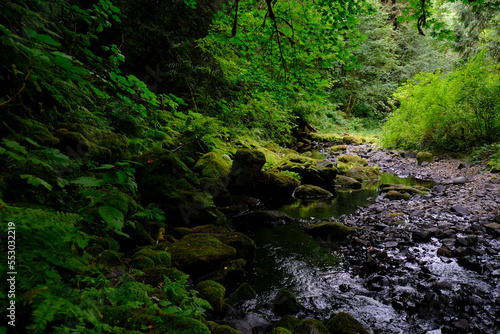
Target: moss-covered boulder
(200,253)
(329,231)
(343,181)
(395,195)
(287,321)
(213,170)
(344,323)
(363,173)
(148,258)
(338,148)
(311,326)
(230,274)
(221,329)
(309,191)
(79,140)
(413,190)
(311,171)
(246,170)
(424,157)
(212,292)
(352,159)
(165,180)
(353,140)
(280,330)
(285,303)
(245,247)
(109,258)
(275,184)
(243,292)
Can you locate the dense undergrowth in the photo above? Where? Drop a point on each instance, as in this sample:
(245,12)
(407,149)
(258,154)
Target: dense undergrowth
(92,84)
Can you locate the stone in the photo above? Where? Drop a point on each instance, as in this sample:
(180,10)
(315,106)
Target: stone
(424,156)
(285,303)
(395,195)
(363,173)
(311,326)
(199,253)
(466,241)
(344,323)
(317,172)
(243,292)
(459,180)
(275,184)
(287,321)
(148,258)
(459,210)
(444,251)
(263,217)
(329,231)
(343,181)
(353,159)
(212,292)
(246,170)
(309,191)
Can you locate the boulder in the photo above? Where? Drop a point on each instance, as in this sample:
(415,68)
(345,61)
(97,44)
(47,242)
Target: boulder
(412,190)
(246,170)
(329,231)
(200,253)
(311,326)
(395,195)
(353,159)
(287,321)
(79,140)
(165,180)
(148,258)
(363,173)
(309,191)
(424,157)
(344,323)
(317,172)
(343,181)
(285,303)
(263,218)
(275,184)
(243,292)
(213,170)
(230,274)
(212,292)
(338,148)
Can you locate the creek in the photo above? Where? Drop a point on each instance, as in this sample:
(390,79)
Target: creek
(388,302)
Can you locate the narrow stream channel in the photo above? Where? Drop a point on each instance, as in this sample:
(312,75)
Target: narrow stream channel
(289,258)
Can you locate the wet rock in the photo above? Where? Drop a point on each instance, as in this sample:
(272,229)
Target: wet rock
(317,172)
(492,227)
(352,159)
(444,251)
(404,188)
(212,292)
(246,170)
(274,184)
(466,241)
(288,321)
(459,210)
(338,148)
(329,231)
(309,191)
(344,323)
(363,173)
(343,181)
(459,180)
(263,217)
(395,195)
(243,292)
(462,326)
(421,236)
(285,303)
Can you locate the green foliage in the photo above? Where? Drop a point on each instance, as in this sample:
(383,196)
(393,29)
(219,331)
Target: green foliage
(453,112)
(292,174)
(181,301)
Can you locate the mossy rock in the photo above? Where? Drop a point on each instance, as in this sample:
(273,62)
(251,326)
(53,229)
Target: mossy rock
(167,181)
(311,326)
(280,330)
(79,140)
(413,190)
(246,170)
(221,329)
(338,148)
(363,173)
(274,184)
(424,156)
(326,137)
(148,258)
(309,191)
(263,218)
(495,169)
(215,166)
(178,324)
(353,159)
(287,321)
(285,303)
(329,231)
(245,247)
(212,292)
(395,195)
(155,276)
(200,253)
(353,140)
(343,181)
(109,258)
(311,171)
(344,323)
(243,292)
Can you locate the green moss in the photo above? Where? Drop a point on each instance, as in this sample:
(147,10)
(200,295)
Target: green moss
(280,330)
(329,230)
(229,273)
(155,276)
(221,329)
(395,195)
(215,166)
(159,257)
(338,148)
(309,191)
(353,159)
(285,303)
(363,173)
(200,252)
(311,326)
(404,188)
(212,292)
(109,258)
(357,140)
(424,156)
(287,321)
(344,323)
(347,182)
(178,324)
(243,292)
(326,137)
(312,171)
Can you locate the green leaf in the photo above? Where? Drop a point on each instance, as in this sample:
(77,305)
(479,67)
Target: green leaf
(36,181)
(88,181)
(46,39)
(113,217)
